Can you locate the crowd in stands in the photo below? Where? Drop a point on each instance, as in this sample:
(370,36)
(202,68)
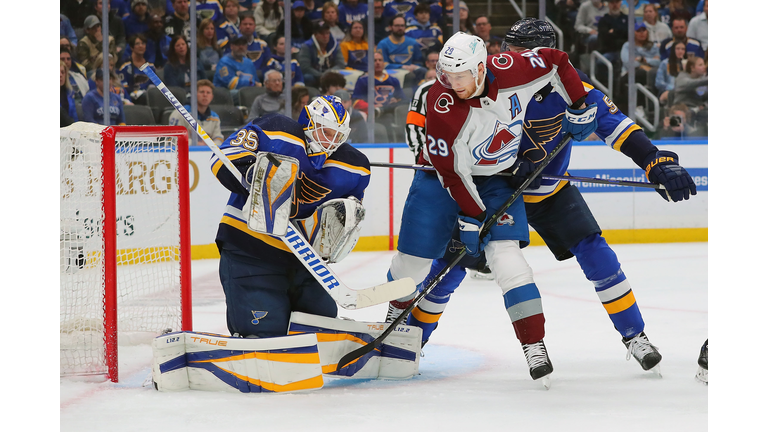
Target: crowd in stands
(241,52)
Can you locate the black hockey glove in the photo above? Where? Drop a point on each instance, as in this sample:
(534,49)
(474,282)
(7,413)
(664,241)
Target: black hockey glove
(663,168)
(520,171)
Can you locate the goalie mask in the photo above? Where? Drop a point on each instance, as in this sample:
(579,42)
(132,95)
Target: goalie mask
(326,124)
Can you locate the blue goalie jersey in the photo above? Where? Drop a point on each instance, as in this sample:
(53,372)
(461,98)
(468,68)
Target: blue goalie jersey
(346,173)
(542,132)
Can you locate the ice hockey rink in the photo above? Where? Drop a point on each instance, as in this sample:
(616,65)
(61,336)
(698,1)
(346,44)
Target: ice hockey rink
(473,374)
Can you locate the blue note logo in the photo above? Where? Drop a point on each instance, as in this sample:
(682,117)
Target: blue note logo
(257,315)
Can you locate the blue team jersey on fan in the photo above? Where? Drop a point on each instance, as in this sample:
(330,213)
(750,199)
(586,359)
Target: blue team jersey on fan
(349,14)
(396,55)
(320,178)
(542,132)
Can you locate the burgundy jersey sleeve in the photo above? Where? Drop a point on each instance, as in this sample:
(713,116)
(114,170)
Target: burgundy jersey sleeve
(446,117)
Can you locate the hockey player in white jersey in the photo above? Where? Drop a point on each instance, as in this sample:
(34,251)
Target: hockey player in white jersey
(473,129)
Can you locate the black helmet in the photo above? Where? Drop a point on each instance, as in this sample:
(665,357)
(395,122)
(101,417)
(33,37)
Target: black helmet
(529,33)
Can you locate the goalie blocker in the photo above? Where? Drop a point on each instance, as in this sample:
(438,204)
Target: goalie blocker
(213,362)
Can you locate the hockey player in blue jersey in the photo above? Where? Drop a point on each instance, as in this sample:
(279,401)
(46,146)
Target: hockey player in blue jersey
(558,212)
(263,281)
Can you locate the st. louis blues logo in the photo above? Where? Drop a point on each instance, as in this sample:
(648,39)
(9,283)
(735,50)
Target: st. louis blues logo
(505,219)
(257,315)
(500,146)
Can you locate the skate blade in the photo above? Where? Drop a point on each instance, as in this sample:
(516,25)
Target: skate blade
(656,370)
(702,376)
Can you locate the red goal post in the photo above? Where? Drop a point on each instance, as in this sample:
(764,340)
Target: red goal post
(125,266)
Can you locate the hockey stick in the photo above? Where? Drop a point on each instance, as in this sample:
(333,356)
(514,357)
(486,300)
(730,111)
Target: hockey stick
(491,221)
(546,176)
(343,295)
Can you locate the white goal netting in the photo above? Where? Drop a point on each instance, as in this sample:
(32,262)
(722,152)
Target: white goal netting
(146,228)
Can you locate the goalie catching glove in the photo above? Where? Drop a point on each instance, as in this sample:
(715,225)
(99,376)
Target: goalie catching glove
(334,229)
(662,167)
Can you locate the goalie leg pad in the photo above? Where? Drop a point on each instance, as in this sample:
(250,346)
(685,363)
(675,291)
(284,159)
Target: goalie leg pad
(211,362)
(268,208)
(397,357)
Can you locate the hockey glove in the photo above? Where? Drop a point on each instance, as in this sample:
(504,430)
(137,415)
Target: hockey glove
(580,123)
(662,168)
(520,171)
(469,234)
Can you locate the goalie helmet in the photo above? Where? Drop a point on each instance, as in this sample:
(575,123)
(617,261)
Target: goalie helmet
(325,123)
(462,52)
(529,33)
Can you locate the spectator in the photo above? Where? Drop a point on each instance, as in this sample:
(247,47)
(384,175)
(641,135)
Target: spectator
(178,22)
(679,33)
(431,62)
(258,50)
(121,7)
(483,30)
(247,5)
(587,18)
(567,10)
(657,30)
(208,53)
(77,11)
(115,85)
(90,44)
(229,25)
(612,31)
(428,35)
(314,10)
(359,131)
(93,104)
(209,9)
(677,124)
(134,81)
(158,43)
(331,19)
(668,70)
(403,8)
(399,50)
(351,11)
(66,96)
(354,47)
(646,54)
(387,92)
(66,30)
(136,21)
(494,47)
(465,22)
(330,82)
(177,71)
(74,66)
(691,85)
(116,28)
(300,99)
(698,28)
(235,70)
(675,9)
(301,25)
(277,62)
(206,118)
(270,102)
(380,23)
(268,14)
(319,54)
(77,81)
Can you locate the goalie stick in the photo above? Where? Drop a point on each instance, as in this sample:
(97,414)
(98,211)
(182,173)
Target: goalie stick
(546,176)
(343,295)
(429,285)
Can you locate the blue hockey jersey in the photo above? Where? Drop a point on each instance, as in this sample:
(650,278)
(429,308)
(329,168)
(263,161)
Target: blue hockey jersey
(346,173)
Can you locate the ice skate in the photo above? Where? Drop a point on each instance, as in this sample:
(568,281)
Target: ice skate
(646,354)
(703,373)
(539,364)
(486,273)
(395,309)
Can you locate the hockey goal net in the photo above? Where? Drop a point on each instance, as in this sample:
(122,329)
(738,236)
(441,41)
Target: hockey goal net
(124,241)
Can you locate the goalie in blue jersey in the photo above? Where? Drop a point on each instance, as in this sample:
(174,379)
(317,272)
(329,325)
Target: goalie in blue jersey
(262,279)
(558,212)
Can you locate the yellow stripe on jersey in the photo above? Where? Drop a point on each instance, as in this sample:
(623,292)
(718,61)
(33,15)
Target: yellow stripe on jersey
(348,167)
(217,163)
(587,86)
(266,238)
(620,140)
(283,136)
(621,304)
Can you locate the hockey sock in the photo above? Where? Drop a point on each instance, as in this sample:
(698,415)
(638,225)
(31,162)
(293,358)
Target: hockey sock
(601,266)
(429,310)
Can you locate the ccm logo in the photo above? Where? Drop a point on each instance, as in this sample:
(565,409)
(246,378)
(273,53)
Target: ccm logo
(209,341)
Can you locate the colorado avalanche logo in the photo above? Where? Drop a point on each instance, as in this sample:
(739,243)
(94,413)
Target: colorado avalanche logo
(506,219)
(500,146)
(443,103)
(502,61)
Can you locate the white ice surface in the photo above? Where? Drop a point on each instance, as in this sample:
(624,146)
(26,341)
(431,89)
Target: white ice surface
(473,374)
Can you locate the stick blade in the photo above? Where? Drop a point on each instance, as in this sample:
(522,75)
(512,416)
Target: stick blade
(362,298)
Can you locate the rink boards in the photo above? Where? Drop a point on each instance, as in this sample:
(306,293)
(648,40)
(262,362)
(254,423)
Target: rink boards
(626,215)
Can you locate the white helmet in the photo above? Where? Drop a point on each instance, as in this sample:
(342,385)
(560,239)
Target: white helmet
(460,53)
(325,123)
